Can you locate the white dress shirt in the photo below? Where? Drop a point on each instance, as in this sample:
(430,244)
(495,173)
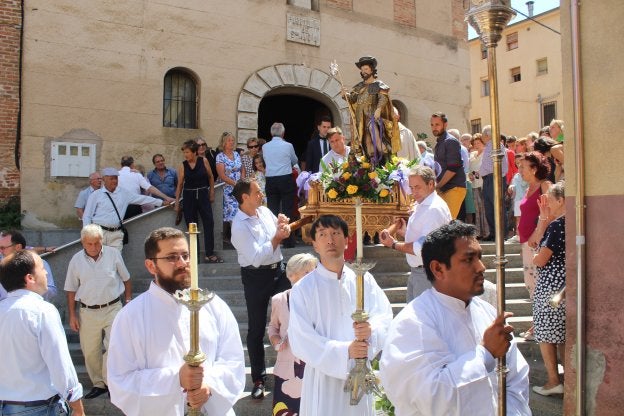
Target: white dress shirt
(335,158)
(320,332)
(251,237)
(97,282)
(149,339)
(133,181)
(99,209)
(36,364)
(433,362)
(430,214)
(279,157)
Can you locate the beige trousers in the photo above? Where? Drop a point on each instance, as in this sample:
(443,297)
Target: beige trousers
(95,328)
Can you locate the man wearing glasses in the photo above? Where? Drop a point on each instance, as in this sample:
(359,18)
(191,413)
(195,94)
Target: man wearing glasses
(150,336)
(96,277)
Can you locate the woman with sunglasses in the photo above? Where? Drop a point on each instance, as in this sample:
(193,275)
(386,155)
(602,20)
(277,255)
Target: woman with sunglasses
(253,147)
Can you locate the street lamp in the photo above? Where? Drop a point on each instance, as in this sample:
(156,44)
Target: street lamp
(489,18)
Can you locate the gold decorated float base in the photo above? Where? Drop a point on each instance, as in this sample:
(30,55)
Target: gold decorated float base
(375,215)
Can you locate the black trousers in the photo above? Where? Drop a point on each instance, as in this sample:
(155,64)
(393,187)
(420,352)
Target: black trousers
(280,192)
(260,285)
(488,202)
(196,203)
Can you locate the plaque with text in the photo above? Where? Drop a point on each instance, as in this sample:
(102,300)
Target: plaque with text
(303,29)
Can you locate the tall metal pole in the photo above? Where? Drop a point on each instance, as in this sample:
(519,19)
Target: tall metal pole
(489,18)
(580,207)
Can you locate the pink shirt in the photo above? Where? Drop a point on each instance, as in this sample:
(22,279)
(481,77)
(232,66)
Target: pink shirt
(529,213)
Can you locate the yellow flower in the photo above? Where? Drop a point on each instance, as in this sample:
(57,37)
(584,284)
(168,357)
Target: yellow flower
(395,159)
(383,193)
(332,194)
(345,165)
(372,175)
(351,189)
(366,165)
(346,176)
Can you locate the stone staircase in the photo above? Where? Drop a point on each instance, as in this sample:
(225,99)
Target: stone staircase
(391,273)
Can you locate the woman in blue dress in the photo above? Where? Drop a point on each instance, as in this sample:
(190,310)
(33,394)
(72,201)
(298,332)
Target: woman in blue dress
(229,170)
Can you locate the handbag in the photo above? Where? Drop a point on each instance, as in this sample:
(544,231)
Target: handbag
(123,229)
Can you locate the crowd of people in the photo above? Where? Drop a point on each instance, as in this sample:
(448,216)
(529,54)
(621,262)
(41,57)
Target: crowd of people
(439,353)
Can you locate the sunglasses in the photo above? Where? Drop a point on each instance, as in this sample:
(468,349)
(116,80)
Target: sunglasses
(253,146)
(201,144)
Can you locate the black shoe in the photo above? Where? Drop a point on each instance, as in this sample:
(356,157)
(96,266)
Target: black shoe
(96,392)
(258,390)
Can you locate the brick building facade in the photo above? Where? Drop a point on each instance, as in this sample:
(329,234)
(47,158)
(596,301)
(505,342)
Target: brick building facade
(10,40)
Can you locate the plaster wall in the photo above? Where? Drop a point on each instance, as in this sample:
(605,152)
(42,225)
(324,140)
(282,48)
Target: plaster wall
(98,68)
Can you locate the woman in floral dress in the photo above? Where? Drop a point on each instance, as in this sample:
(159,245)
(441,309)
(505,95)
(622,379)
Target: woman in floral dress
(549,320)
(229,170)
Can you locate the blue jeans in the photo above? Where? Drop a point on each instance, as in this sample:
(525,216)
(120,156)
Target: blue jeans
(52,409)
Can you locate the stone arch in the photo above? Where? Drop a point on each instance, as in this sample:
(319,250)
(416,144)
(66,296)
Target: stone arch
(311,82)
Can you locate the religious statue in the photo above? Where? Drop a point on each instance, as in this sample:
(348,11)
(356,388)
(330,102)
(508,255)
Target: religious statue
(376,129)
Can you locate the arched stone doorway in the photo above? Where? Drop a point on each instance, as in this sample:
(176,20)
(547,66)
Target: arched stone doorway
(281,87)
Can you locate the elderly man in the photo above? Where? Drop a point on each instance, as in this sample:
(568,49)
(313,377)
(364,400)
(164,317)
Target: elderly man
(37,376)
(440,354)
(318,146)
(96,277)
(163,178)
(430,212)
(95,183)
(339,150)
(150,337)
(280,159)
(134,182)
(107,206)
(13,241)
(256,236)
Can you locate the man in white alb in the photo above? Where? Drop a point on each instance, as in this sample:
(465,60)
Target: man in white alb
(321,331)
(440,353)
(146,370)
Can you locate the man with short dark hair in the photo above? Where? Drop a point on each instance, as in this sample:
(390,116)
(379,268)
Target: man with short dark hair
(318,146)
(37,376)
(321,331)
(96,277)
(163,178)
(146,370)
(451,181)
(256,236)
(440,354)
(12,241)
(429,213)
(131,180)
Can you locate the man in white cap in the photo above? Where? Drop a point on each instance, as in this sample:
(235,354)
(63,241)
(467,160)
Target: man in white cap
(102,203)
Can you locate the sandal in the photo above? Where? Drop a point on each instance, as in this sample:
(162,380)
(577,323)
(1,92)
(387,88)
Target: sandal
(213,259)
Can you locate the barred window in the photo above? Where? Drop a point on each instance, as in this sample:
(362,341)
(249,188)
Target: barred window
(475,126)
(180,101)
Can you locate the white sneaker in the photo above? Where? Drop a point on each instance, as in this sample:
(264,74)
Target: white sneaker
(558,389)
(513,240)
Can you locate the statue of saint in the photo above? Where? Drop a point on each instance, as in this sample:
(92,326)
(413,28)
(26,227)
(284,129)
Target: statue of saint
(376,130)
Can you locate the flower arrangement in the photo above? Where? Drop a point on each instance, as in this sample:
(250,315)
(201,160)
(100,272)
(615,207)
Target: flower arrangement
(356,177)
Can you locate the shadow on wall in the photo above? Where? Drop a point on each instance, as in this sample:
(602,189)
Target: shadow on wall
(133,254)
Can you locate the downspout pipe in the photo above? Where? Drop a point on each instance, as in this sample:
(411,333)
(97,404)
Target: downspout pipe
(580,208)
